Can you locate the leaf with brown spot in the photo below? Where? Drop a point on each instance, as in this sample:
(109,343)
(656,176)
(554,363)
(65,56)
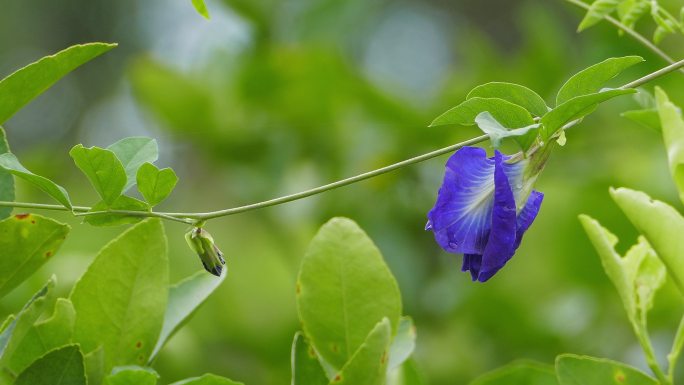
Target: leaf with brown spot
(306,369)
(24,244)
(368,365)
(6,180)
(582,370)
(346,289)
(121,298)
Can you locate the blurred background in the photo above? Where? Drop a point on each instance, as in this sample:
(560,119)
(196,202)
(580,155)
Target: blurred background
(271,97)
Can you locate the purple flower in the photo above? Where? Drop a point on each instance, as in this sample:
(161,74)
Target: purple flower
(483,208)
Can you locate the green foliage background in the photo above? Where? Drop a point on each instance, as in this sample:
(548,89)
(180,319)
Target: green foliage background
(272,97)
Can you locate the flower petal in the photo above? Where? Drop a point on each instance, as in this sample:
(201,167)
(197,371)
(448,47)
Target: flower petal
(515,172)
(527,215)
(502,236)
(472,263)
(461,216)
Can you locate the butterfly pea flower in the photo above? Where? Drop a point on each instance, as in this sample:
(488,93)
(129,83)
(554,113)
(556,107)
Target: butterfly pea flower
(484,207)
(202,243)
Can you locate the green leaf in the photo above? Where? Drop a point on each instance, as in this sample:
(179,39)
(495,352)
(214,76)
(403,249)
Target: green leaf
(185,298)
(409,374)
(576,108)
(133,152)
(677,345)
(62,366)
(11,164)
(647,118)
(368,365)
(509,114)
(155,184)
(6,180)
(344,289)
(207,379)
(660,34)
(123,202)
(598,10)
(16,330)
(636,277)
(514,93)
(19,88)
(306,369)
(201,8)
(672,125)
(44,336)
(486,122)
(592,79)
(94,366)
(644,99)
(121,298)
(6,322)
(27,241)
(103,169)
(132,375)
(665,23)
(403,343)
(581,370)
(631,11)
(520,373)
(660,223)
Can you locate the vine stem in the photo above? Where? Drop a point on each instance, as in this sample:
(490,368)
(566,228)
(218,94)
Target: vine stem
(629,31)
(195,218)
(641,330)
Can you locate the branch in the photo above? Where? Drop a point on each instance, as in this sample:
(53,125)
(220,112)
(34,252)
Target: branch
(629,31)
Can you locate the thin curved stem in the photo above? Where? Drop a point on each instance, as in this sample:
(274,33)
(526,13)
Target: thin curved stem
(334,185)
(629,31)
(195,218)
(152,214)
(640,328)
(654,75)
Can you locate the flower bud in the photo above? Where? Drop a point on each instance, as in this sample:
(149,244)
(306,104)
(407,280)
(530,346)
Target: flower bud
(202,243)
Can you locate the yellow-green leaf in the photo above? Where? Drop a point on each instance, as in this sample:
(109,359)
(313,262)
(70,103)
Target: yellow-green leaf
(63,366)
(519,373)
(306,368)
(185,298)
(575,108)
(514,93)
(368,365)
(27,241)
(201,8)
(207,379)
(660,223)
(344,289)
(592,79)
(121,299)
(597,11)
(11,164)
(13,334)
(6,179)
(44,336)
(132,375)
(19,88)
(103,169)
(133,152)
(155,184)
(636,276)
(581,370)
(672,125)
(509,114)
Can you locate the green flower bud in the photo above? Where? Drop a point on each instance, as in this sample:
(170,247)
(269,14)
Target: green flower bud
(202,243)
